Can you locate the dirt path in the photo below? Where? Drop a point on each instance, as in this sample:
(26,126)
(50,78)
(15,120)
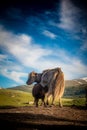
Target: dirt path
(30,117)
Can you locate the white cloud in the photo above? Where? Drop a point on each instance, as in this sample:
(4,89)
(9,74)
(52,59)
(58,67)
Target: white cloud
(6,62)
(68,15)
(75,69)
(31,55)
(71,66)
(21,47)
(16,76)
(84,46)
(11,69)
(2,57)
(49,34)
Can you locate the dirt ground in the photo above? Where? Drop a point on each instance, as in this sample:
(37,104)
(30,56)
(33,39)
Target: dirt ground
(33,118)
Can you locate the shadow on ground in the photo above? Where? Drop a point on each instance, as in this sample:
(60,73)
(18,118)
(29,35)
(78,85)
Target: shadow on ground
(27,121)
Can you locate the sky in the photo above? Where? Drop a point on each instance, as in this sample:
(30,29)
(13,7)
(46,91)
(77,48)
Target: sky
(39,35)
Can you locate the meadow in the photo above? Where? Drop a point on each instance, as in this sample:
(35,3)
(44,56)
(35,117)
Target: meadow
(18,112)
(18,98)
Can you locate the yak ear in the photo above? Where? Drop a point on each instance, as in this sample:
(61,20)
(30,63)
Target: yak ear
(34,73)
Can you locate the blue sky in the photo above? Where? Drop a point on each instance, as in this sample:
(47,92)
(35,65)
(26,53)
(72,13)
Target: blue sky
(35,36)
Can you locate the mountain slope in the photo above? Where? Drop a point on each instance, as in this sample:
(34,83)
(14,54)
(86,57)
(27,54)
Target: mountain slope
(73,88)
(25,88)
(76,82)
(68,83)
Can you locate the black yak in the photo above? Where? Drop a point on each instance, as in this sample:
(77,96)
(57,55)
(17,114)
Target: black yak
(51,78)
(38,92)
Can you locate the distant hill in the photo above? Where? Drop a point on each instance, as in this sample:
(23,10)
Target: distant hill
(76,82)
(73,88)
(25,88)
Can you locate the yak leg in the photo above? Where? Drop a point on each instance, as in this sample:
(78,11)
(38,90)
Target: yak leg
(60,103)
(43,102)
(47,96)
(36,102)
(52,99)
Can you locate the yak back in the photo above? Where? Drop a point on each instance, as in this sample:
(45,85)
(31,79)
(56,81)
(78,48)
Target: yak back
(54,79)
(48,76)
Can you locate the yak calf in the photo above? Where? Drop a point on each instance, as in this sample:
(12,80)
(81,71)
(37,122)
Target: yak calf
(38,92)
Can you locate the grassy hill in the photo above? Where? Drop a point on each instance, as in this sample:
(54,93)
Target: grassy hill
(15,98)
(21,95)
(75,91)
(70,91)
(75,82)
(72,88)
(75,87)
(25,88)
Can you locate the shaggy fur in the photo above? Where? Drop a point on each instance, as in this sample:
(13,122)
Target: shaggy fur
(38,92)
(51,78)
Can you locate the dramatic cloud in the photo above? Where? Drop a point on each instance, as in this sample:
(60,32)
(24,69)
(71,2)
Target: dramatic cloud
(22,47)
(16,76)
(11,69)
(84,45)
(49,34)
(69,15)
(21,52)
(2,57)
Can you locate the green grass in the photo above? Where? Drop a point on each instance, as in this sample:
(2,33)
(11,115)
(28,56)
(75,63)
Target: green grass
(19,98)
(14,98)
(74,101)
(70,101)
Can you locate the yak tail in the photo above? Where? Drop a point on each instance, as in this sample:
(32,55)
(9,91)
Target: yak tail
(59,85)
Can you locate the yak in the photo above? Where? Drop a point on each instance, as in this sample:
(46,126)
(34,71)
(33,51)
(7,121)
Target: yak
(39,92)
(51,78)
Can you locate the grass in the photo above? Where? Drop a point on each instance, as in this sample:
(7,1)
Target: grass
(14,98)
(19,98)
(74,101)
(71,101)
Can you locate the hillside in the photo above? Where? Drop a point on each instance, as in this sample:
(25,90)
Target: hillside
(73,88)
(14,98)
(10,97)
(25,88)
(75,91)
(76,82)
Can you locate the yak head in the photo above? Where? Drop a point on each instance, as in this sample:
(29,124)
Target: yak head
(33,77)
